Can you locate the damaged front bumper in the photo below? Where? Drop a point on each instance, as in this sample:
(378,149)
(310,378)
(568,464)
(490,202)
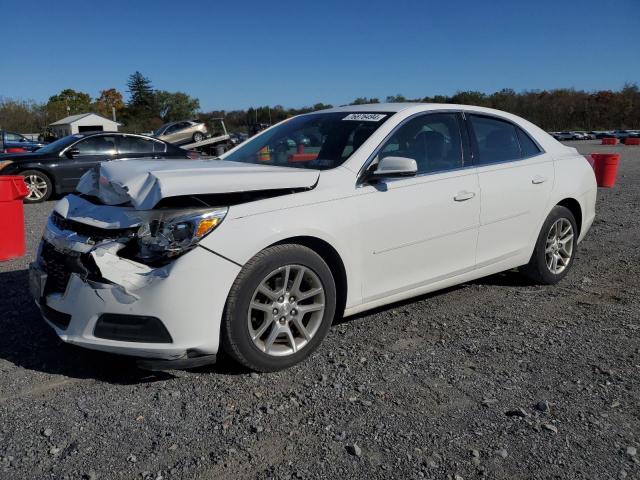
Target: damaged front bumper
(96,299)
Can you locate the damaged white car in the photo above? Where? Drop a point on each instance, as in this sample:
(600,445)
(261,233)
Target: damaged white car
(326,214)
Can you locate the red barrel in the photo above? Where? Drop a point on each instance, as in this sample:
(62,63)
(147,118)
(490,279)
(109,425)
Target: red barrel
(632,141)
(609,141)
(606,168)
(12,191)
(15,150)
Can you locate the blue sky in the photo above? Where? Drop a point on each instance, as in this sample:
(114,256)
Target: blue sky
(237,54)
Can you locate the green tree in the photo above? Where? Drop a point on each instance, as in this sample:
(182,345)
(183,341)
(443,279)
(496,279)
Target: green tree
(140,107)
(396,98)
(172,106)
(471,98)
(140,91)
(23,116)
(68,102)
(364,101)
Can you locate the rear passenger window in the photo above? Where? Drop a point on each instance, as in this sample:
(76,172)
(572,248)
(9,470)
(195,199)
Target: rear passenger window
(497,140)
(135,145)
(528,146)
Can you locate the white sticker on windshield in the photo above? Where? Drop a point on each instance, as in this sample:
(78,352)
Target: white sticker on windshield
(365,117)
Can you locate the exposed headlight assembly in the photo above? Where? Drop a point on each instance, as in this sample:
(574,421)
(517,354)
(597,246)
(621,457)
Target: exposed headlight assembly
(171,234)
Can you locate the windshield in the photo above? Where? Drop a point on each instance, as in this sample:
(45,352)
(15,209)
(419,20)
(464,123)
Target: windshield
(59,144)
(317,140)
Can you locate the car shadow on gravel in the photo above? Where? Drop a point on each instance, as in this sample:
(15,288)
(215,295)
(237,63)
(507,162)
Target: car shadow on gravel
(28,342)
(510,278)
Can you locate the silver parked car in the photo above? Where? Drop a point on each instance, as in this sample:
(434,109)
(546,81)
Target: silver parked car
(184,131)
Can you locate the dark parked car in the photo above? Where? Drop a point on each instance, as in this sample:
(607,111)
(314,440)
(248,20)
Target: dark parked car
(564,136)
(622,134)
(603,134)
(15,140)
(57,167)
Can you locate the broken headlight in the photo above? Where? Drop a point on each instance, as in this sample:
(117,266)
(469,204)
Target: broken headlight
(170,235)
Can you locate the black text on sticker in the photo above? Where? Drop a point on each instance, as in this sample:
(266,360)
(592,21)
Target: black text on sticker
(366,117)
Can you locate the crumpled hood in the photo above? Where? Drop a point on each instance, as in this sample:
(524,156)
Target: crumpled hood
(143,183)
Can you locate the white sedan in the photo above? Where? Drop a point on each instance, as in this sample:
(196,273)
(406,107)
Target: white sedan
(258,252)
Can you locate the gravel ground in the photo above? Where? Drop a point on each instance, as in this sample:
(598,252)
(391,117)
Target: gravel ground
(495,379)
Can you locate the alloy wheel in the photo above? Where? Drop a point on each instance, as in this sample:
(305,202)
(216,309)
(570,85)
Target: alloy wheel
(559,246)
(286,310)
(37,187)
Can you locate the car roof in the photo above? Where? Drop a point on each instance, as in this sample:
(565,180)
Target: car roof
(180,121)
(108,132)
(416,106)
(374,107)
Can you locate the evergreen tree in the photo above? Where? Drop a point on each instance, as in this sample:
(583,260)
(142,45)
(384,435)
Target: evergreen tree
(140,107)
(140,91)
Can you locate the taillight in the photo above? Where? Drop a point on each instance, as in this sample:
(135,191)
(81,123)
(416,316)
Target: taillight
(193,154)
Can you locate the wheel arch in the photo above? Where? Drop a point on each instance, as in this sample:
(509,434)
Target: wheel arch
(334,261)
(52,178)
(574,207)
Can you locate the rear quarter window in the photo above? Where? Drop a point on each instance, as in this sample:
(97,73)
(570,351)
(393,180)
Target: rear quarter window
(527,145)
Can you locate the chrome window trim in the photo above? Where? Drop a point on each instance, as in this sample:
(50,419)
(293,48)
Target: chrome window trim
(367,163)
(115,134)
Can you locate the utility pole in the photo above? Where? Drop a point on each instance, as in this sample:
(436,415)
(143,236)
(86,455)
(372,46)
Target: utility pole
(113,113)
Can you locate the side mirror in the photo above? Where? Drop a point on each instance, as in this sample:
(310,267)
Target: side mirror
(394,167)
(72,152)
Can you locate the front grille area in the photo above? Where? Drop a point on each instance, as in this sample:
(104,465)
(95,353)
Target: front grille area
(58,266)
(95,233)
(131,328)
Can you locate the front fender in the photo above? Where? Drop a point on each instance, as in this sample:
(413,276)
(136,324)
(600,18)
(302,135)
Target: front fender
(240,239)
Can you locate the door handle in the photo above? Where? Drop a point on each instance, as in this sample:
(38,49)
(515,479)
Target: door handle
(538,179)
(462,196)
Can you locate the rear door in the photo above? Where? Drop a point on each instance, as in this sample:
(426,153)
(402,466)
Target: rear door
(516,177)
(89,152)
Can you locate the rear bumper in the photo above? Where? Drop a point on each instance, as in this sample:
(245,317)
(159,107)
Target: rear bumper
(188,299)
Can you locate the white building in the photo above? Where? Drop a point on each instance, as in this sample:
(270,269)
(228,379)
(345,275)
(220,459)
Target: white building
(84,122)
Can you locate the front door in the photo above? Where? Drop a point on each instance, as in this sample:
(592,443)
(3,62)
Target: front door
(84,155)
(422,229)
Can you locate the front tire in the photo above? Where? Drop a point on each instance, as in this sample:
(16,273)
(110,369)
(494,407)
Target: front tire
(280,308)
(39,185)
(198,137)
(555,248)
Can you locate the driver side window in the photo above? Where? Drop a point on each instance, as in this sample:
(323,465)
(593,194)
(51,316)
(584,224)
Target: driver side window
(14,137)
(432,140)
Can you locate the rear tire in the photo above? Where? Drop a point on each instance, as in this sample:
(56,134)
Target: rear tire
(39,185)
(555,249)
(273,319)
